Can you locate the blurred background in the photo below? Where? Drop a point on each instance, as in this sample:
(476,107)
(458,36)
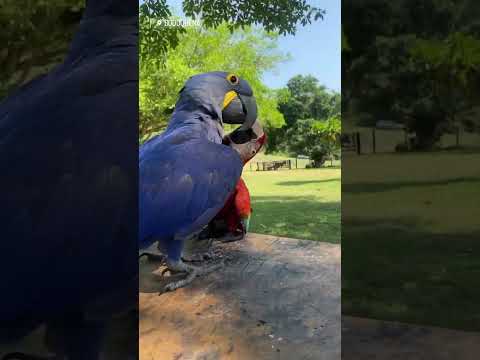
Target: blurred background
(410,152)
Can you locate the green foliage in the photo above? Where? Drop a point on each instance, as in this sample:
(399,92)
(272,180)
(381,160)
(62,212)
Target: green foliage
(156,39)
(312,116)
(248,53)
(272,15)
(314,138)
(169,55)
(329,129)
(35,37)
(305,98)
(418,65)
(452,65)
(457,55)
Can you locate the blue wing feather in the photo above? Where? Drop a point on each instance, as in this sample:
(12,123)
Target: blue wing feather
(183,186)
(66,186)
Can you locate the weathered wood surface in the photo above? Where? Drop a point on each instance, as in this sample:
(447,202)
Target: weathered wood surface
(276,298)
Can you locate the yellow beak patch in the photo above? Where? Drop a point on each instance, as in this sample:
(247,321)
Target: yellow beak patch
(229,96)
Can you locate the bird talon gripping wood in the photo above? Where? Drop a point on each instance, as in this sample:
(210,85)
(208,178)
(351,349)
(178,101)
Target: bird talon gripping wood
(193,272)
(188,172)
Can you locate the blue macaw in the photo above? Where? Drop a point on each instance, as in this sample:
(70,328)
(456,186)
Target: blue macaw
(69,187)
(187,172)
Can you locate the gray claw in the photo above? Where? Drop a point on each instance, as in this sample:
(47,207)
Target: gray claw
(193,272)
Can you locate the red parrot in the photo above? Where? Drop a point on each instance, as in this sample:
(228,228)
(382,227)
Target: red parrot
(237,210)
(232,222)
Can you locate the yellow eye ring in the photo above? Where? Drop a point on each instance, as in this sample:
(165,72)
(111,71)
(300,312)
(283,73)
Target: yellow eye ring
(233,79)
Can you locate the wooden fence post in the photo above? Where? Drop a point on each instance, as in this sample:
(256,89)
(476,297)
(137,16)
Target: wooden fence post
(374,142)
(358,143)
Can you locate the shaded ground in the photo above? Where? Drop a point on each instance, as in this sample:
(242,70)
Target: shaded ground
(411,276)
(276,298)
(365,339)
(410,234)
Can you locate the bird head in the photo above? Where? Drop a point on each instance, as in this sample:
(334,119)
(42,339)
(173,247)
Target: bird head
(246,142)
(225,96)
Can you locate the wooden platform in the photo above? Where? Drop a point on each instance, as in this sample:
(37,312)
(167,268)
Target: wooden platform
(276,298)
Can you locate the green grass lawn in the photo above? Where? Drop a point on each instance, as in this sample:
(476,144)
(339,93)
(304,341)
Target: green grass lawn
(303,203)
(411,238)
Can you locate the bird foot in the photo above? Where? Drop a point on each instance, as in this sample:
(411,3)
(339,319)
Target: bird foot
(192,273)
(172,271)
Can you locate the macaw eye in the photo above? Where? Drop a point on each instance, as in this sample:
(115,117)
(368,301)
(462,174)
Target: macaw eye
(233,79)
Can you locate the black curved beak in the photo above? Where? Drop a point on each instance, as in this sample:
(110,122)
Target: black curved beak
(249,105)
(240,136)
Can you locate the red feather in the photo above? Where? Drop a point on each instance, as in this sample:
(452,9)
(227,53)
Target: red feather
(238,206)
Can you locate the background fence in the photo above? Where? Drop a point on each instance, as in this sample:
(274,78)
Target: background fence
(263,162)
(371,141)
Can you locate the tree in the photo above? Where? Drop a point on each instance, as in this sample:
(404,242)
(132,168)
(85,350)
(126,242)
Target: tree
(329,132)
(452,65)
(302,98)
(273,16)
(35,37)
(155,38)
(248,53)
(392,66)
(315,138)
(305,98)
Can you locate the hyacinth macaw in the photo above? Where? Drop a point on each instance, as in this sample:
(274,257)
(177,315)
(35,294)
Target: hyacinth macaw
(68,187)
(188,172)
(230,224)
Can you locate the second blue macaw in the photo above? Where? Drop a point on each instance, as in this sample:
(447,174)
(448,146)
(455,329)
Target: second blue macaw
(187,173)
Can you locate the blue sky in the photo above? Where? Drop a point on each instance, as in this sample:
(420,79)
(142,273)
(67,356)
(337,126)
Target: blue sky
(315,49)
